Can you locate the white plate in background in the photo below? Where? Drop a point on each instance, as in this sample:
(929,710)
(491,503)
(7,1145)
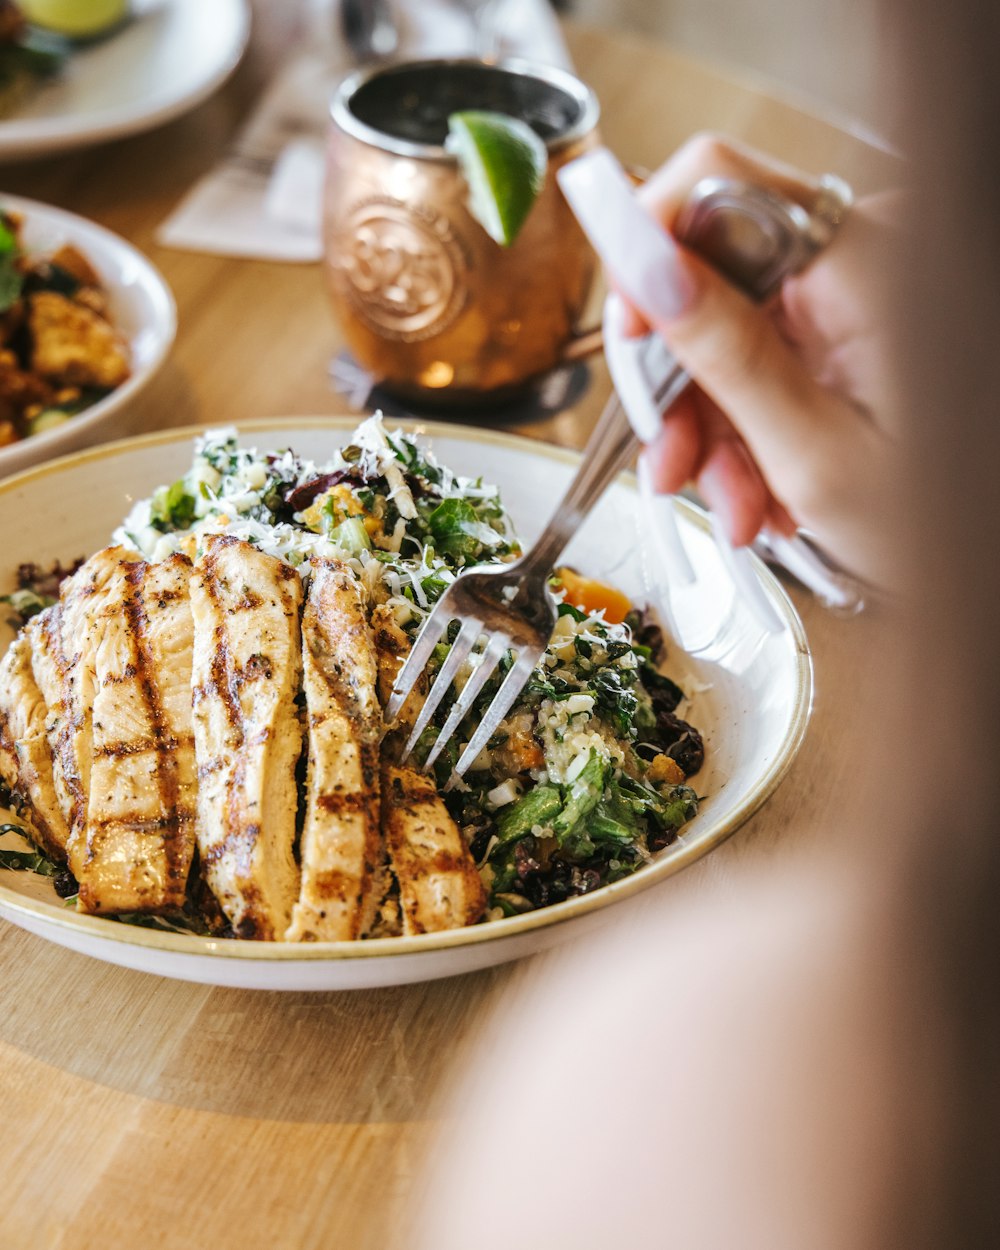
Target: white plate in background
(141,308)
(751,701)
(171,55)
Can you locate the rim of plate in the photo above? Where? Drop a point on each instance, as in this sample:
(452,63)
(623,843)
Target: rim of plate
(676,857)
(39,136)
(152,282)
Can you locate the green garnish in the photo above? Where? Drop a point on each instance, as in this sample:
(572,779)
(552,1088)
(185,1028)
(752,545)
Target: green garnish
(350,535)
(11,278)
(25,861)
(173,507)
(583,795)
(538,807)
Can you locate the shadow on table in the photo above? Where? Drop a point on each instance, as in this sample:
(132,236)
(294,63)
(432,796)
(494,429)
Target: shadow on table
(361,1057)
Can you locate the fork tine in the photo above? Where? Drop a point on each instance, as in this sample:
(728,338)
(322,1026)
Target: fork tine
(495,648)
(460,651)
(422,650)
(512,686)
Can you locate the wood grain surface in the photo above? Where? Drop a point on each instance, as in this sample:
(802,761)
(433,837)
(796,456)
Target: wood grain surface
(140,1112)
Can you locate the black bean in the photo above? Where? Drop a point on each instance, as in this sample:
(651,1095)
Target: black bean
(681,741)
(479,843)
(659,838)
(64,884)
(583,880)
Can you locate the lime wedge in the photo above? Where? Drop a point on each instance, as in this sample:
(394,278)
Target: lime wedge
(503,162)
(75,18)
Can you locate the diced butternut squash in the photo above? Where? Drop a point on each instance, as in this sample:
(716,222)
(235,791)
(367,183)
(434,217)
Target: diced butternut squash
(592,596)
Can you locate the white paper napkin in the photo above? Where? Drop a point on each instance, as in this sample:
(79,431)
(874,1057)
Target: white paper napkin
(264,198)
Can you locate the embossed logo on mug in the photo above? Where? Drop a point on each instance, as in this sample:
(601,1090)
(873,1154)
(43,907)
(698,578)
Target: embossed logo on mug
(402,268)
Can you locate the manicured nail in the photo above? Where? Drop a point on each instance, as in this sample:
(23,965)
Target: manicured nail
(718,502)
(641,257)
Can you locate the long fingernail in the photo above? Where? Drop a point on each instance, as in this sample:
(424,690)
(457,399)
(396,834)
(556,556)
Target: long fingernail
(642,257)
(717,500)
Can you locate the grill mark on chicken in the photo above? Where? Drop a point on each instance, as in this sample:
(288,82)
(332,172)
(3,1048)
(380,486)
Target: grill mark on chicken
(138,620)
(65,767)
(25,756)
(252,925)
(121,750)
(140,816)
(342,850)
(151,824)
(337,803)
(247,731)
(392,647)
(126,675)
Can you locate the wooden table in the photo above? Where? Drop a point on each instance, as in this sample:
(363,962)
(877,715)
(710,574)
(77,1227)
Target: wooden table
(136,1111)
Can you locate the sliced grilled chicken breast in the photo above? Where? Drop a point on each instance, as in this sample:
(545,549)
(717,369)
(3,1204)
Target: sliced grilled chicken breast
(342,852)
(64,641)
(25,756)
(439,887)
(248,735)
(138,836)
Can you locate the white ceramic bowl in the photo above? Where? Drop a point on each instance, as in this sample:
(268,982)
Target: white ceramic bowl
(170,56)
(142,308)
(751,700)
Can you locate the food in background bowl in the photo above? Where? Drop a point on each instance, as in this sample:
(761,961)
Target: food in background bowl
(59,349)
(27,57)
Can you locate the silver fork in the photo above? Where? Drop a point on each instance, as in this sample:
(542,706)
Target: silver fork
(511,604)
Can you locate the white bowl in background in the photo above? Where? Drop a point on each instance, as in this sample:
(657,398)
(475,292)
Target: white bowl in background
(142,309)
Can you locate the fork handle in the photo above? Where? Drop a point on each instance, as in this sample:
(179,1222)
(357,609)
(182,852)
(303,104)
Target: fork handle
(609,449)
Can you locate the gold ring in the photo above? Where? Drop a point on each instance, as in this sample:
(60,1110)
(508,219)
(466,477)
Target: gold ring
(831,205)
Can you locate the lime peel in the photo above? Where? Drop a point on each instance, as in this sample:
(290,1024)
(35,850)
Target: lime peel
(76,19)
(503,162)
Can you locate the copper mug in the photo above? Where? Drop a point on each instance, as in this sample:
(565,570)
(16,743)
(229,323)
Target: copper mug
(427,302)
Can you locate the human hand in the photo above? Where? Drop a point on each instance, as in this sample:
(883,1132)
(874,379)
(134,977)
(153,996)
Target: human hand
(793,418)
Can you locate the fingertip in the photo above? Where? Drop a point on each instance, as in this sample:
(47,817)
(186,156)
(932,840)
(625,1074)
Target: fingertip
(674,456)
(672,294)
(780,519)
(632,324)
(733,489)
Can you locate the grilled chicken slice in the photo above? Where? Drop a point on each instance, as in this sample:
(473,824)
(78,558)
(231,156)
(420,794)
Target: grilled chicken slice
(439,887)
(248,736)
(64,640)
(391,648)
(138,838)
(25,757)
(343,875)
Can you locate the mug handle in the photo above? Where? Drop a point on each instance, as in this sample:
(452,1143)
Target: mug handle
(589,341)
